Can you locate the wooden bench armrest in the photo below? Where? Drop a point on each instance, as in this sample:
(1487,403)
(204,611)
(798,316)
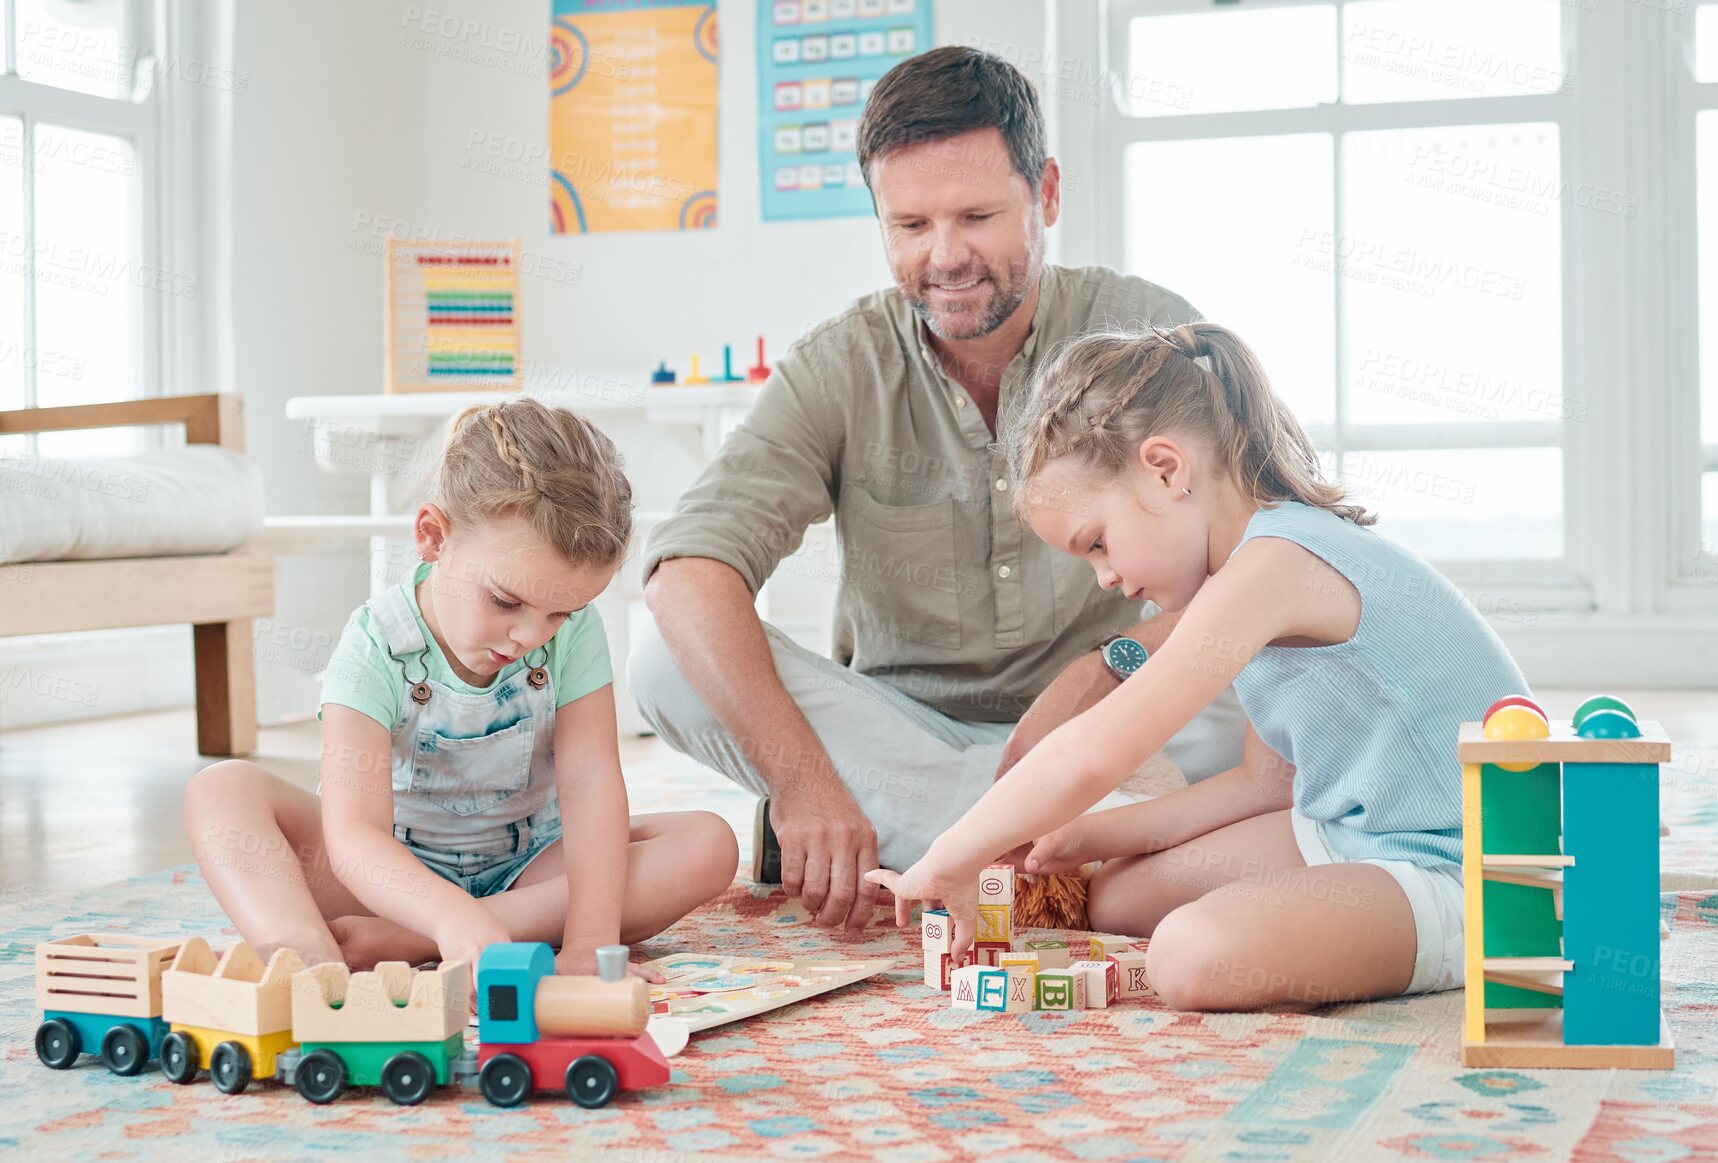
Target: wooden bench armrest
(213,418)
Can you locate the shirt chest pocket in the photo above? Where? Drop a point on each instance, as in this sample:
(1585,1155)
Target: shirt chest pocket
(899,566)
(474,775)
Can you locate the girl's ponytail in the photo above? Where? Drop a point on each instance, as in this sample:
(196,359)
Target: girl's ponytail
(1099,396)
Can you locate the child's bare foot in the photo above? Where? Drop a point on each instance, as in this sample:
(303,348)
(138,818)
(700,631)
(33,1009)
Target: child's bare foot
(366,940)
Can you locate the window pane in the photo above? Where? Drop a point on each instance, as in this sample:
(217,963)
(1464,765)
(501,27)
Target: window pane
(1451,505)
(1197,225)
(1433,50)
(1706,190)
(1215,62)
(90,279)
(13,254)
(1451,264)
(74,45)
(1707,569)
(1706,43)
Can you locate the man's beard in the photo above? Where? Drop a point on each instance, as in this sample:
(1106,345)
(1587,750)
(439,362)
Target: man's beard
(977,320)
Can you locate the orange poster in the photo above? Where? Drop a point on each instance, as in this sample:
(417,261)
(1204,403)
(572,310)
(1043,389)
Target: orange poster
(632,115)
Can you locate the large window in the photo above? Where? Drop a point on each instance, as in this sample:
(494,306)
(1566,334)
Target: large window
(81,277)
(1372,194)
(1705,93)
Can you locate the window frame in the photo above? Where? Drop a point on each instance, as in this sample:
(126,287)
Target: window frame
(1626,542)
(1691,586)
(148,32)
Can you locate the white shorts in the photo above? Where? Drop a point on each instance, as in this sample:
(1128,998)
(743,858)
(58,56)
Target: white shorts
(1434,895)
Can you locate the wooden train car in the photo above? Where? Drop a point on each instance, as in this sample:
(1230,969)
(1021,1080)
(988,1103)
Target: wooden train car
(231,1015)
(101,994)
(401,1030)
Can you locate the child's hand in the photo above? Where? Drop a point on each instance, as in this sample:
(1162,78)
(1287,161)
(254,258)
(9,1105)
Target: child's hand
(465,938)
(1054,852)
(583,963)
(919,883)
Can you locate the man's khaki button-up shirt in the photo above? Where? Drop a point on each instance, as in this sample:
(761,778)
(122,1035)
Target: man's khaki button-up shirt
(944,594)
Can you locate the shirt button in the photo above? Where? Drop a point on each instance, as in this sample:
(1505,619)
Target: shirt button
(1002,485)
(960,401)
(1003,571)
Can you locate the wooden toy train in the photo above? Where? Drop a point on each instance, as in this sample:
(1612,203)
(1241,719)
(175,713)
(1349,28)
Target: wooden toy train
(323,1029)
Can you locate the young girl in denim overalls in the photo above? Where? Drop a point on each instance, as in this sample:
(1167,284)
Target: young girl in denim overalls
(461,710)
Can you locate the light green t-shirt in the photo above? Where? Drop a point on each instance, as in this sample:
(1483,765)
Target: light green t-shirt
(362,675)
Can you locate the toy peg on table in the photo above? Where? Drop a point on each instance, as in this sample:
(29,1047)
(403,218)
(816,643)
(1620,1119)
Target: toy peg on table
(760,371)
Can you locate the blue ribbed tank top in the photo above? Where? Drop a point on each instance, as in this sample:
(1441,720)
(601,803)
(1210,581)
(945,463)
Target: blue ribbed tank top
(1370,724)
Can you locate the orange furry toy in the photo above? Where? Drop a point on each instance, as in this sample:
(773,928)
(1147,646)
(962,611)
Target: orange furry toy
(1056,901)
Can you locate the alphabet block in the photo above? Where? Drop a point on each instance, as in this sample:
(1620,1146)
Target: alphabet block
(987,952)
(1052,954)
(1061,989)
(963,987)
(940,966)
(992,990)
(1026,958)
(996,923)
(1103,982)
(996,885)
(937,930)
(1022,989)
(1130,964)
(1105,944)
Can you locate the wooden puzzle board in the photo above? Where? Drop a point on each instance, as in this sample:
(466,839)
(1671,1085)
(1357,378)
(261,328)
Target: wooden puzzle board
(709,989)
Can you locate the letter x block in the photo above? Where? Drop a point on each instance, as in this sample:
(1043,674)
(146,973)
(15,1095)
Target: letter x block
(1022,989)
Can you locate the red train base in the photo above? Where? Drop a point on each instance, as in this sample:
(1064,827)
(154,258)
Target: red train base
(590,1070)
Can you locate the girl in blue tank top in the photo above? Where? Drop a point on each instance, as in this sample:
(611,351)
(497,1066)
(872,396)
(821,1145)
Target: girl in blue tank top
(1326,866)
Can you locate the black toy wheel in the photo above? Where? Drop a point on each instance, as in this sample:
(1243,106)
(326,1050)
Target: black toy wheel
(322,1077)
(230,1067)
(179,1057)
(408,1078)
(57,1044)
(124,1051)
(505,1080)
(592,1081)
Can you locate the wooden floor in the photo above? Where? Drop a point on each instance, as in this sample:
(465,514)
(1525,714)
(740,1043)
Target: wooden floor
(88,803)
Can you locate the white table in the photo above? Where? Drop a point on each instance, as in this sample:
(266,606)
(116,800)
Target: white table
(396,438)
(385,436)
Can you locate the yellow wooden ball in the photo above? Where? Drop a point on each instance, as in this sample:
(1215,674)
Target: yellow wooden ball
(1517,722)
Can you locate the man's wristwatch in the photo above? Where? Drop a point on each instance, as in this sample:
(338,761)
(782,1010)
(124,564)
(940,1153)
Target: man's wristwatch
(1122,655)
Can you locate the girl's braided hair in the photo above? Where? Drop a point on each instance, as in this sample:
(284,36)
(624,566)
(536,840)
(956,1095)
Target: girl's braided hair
(1098,396)
(547,466)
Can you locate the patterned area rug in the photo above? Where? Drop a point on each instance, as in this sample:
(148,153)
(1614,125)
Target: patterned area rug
(884,1070)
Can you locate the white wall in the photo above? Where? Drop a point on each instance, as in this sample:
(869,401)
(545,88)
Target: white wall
(369,119)
(350,121)
(328,130)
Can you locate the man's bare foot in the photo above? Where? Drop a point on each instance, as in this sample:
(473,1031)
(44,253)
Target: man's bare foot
(364,941)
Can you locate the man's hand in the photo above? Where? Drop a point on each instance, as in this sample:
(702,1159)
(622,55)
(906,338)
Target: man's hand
(827,846)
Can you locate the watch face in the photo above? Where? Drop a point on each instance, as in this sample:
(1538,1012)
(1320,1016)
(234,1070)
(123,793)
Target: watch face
(1125,655)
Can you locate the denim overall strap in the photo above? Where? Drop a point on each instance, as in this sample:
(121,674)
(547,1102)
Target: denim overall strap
(472,771)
